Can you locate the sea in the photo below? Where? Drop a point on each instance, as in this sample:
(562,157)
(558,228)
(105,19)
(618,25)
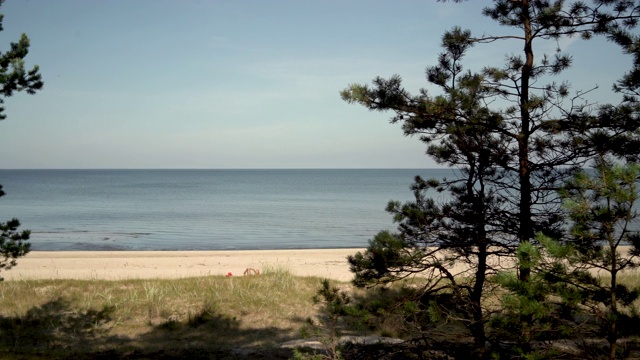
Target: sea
(111,210)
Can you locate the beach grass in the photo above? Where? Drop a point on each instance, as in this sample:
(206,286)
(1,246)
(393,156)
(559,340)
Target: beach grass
(154,318)
(219,317)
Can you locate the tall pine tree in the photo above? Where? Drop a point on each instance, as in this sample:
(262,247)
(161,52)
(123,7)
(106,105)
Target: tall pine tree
(515,134)
(434,237)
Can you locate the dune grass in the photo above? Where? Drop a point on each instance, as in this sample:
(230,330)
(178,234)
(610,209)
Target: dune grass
(131,318)
(201,317)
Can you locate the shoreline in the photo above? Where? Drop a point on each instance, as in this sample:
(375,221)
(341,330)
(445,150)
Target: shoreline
(161,264)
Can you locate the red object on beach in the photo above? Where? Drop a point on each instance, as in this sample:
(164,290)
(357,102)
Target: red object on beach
(229,274)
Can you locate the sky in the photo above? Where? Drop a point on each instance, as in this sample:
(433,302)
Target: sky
(228,84)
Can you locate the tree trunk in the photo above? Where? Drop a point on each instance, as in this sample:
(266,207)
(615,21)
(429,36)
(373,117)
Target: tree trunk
(477,327)
(612,337)
(525,227)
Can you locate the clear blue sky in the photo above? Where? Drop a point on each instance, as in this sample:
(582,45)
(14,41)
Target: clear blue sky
(234,83)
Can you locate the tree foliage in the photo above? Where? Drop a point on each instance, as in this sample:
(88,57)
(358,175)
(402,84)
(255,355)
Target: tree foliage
(13,243)
(601,210)
(514,134)
(14,77)
(581,273)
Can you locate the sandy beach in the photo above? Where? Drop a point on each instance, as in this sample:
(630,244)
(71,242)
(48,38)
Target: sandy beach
(116,265)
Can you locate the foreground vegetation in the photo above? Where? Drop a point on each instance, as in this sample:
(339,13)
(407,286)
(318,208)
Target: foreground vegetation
(217,317)
(205,317)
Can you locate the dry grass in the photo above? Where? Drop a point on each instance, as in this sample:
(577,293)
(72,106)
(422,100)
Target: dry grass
(629,278)
(203,317)
(212,314)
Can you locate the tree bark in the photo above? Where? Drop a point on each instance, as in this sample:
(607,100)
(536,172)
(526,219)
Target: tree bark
(525,231)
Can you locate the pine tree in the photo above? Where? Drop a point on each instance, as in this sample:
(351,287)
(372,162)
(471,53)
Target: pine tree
(581,272)
(434,236)
(13,244)
(15,78)
(601,209)
(515,134)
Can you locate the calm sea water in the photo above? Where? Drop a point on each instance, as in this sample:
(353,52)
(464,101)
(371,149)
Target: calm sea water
(203,209)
